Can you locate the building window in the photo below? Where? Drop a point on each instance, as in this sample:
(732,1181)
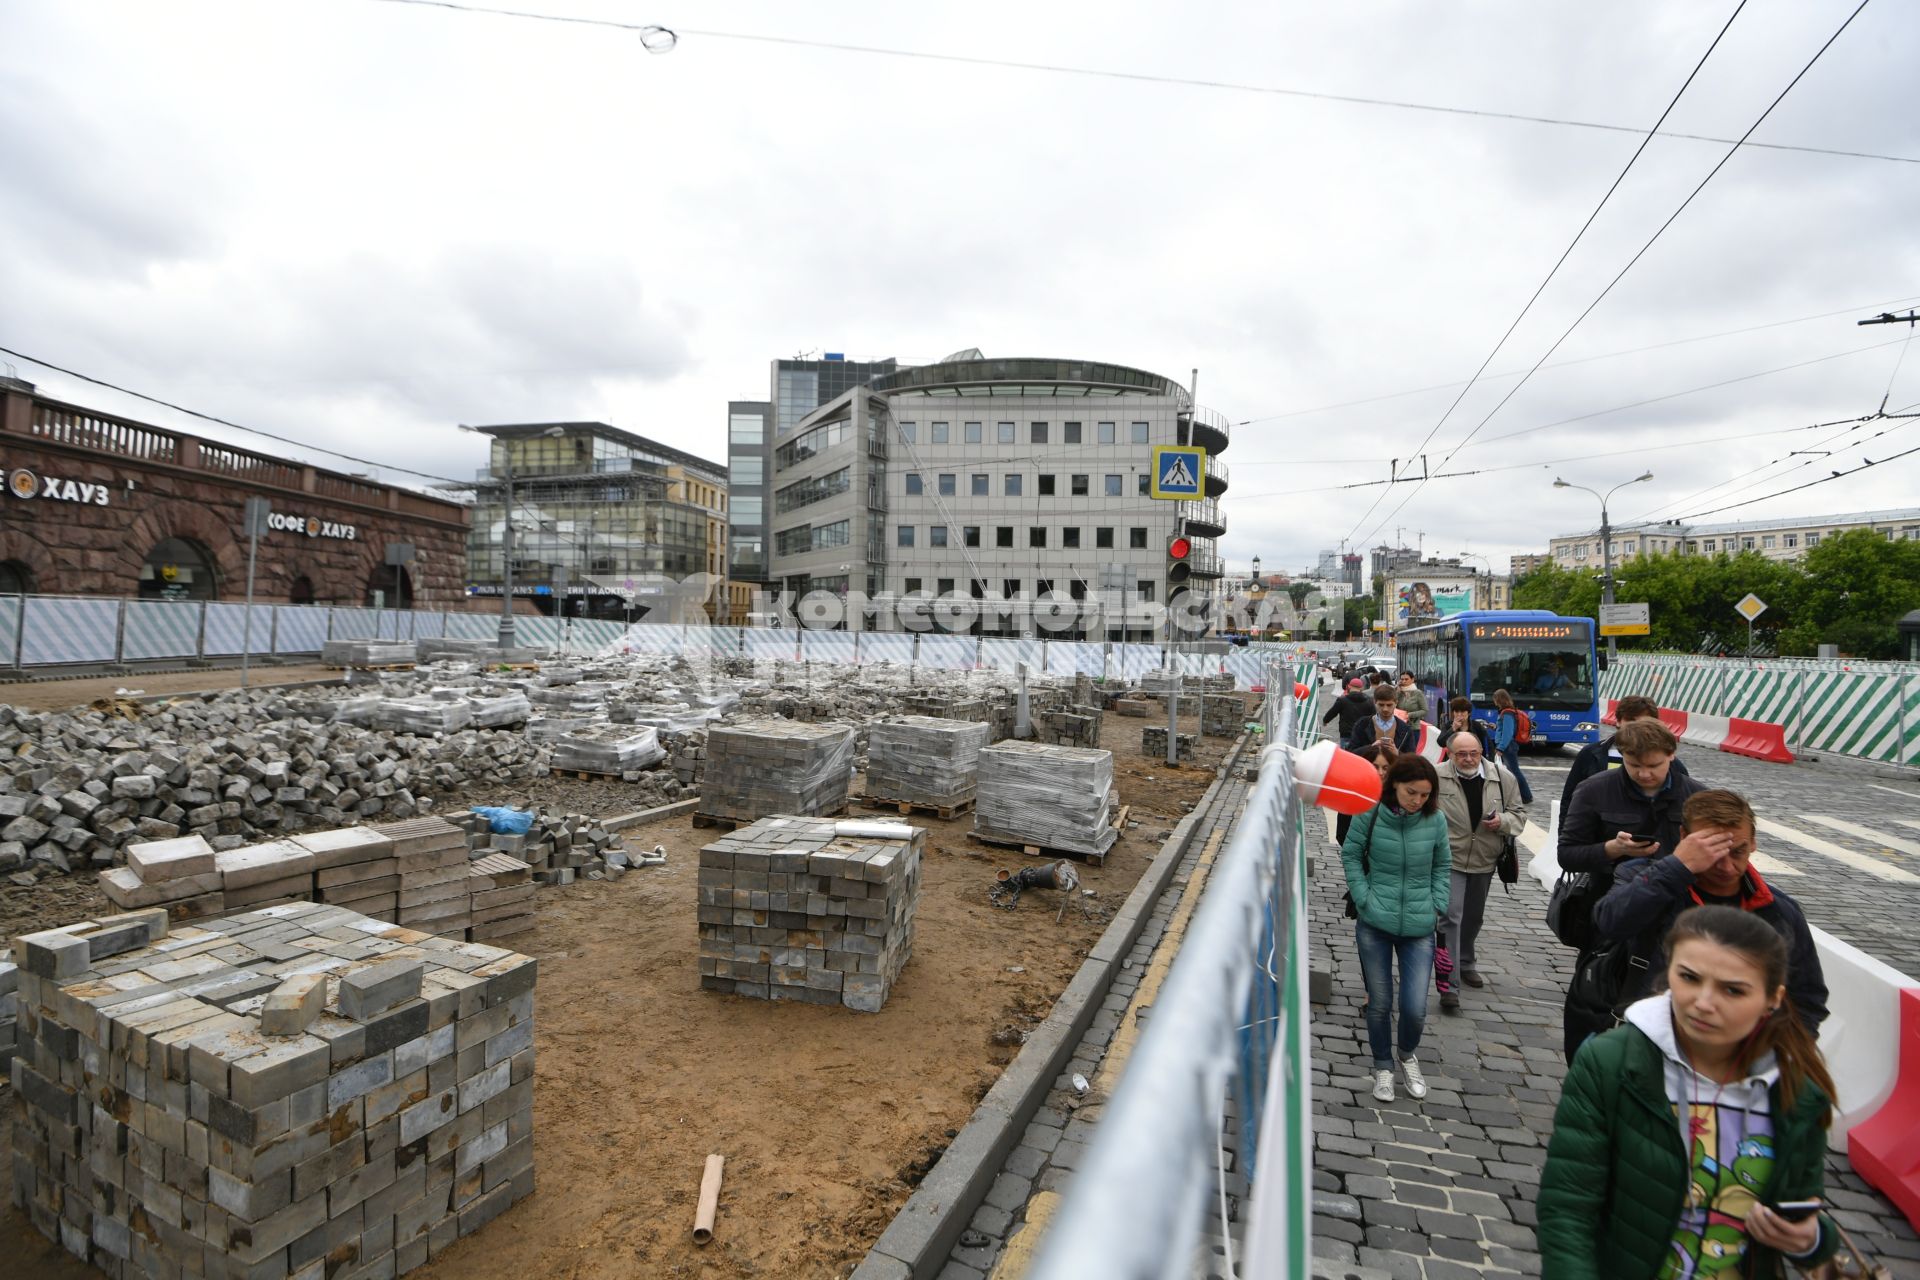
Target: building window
(746,510)
(903,536)
(1070,432)
(909,432)
(1141,487)
(1037,536)
(1146,591)
(1766,541)
(805,538)
(810,443)
(1139,433)
(1043,586)
(1813,540)
(804,493)
(978,484)
(1105,432)
(939,434)
(1003,535)
(1137,538)
(1070,538)
(936,535)
(972,532)
(1010,588)
(1013,485)
(1037,433)
(746,428)
(1707,545)
(1113,486)
(914,487)
(746,468)
(970,432)
(944,586)
(1046,486)
(1746,544)
(947,484)
(1078,486)
(1005,432)
(1793,540)
(1103,537)
(913,586)
(1910,532)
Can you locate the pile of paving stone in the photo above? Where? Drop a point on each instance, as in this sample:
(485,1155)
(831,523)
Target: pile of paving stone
(367,653)
(805,909)
(1051,797)
(923,761)
(757,767)
(608,749)
(424,715)
(1153,744)
(9,1012)
(1222,715)
(293,1091)
(558,849)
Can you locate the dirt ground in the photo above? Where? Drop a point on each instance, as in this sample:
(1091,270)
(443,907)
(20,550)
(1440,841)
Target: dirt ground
(828,1118)
(64,695)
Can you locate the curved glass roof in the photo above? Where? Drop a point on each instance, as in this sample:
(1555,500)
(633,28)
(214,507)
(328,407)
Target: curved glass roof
(1026,377)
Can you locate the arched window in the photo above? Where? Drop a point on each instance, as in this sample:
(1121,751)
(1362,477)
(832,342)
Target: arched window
(16,579)
(177,569)
(300,590)
(391,594)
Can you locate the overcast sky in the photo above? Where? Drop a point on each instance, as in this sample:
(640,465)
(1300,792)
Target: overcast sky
(358,223)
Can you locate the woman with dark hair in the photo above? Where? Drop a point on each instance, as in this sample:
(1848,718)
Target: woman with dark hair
(1382,755)
(1691,1139)
(1399,869)
(1506,740)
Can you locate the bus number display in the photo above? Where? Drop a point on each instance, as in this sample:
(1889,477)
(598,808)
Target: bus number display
(1529,631)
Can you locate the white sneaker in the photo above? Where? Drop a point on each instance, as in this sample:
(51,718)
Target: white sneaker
(1383,1086)
(1416,1082)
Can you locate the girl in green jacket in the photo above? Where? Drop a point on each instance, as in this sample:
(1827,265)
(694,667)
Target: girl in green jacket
(1680,1131)
(1399,866)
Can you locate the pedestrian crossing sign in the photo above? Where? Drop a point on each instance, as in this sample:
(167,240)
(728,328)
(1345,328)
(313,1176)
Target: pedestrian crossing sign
(1179,471)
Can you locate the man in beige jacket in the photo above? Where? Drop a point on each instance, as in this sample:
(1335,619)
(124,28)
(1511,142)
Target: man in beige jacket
(1481,802)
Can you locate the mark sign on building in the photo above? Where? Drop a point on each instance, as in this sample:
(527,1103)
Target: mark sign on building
(1179,471)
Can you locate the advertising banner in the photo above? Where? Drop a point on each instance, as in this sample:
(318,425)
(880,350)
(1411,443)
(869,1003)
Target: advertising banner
(1417,601)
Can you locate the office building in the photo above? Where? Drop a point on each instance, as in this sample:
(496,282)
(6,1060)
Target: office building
(1779,539)
(1000,481)
(1353,571)
(606,522)
(1521,566)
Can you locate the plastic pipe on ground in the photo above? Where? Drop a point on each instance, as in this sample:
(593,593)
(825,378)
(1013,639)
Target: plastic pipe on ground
(709,1200)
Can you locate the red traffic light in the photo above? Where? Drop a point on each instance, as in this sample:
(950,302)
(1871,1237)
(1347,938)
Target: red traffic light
(1178,549)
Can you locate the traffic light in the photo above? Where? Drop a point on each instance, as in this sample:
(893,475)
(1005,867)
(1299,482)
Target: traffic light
(1179,571)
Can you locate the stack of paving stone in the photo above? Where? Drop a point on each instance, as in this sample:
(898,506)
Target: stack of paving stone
(366,653)
(263,875)
(424,715)
(608,750)
(924,761)
(579,698)
(503,892)
(354,868)
(554,728)
(295,1091)
(505,709)
(760,767)
(1222,715)
(9,1013)
(1153,744)
(178,875)
(436,895)
(1047,796)
(791,910)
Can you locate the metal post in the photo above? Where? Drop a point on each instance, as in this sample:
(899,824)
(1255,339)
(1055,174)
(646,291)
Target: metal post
(506,545)
(1173,717)
(257,511)
(1606,575)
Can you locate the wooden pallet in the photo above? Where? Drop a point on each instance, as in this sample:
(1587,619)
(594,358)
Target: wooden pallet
(1040,850)
(587,775)
(915,806)
(391,666)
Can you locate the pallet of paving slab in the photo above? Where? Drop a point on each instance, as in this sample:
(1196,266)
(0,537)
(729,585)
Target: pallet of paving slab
(924,807)
(383,666)
(590,775)
(1040,850)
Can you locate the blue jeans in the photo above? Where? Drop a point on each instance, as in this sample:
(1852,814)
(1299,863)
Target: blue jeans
(1377,951)
(1510,756)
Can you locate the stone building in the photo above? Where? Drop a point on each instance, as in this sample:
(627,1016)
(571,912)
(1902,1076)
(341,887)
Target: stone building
(105,506)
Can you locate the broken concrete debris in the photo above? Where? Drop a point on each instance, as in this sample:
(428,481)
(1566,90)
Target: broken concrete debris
(288,1091)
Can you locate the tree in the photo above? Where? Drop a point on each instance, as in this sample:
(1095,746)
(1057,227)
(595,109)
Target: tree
(1852,592)
(1357,614)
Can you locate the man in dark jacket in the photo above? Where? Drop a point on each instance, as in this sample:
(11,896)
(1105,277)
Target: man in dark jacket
(1598,757)
(1708,867)
(1629,812)
(1351,707)
(1460,720)
(1405,734)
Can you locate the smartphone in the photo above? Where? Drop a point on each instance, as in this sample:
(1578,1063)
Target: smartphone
(1797,1210)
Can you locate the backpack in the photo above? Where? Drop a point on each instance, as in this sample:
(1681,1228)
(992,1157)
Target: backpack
(1601,978)
(1522,727)
(1570,907)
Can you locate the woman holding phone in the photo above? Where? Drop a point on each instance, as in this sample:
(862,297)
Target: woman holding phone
(1690,1140)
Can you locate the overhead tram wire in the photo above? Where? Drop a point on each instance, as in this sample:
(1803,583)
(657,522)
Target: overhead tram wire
(443,481)
(1829,479)
(1848,425)
(1418,450)
(1651,241)
(646,29)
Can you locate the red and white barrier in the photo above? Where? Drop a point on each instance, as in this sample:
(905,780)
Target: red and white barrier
(1740,737)
(1871,1041)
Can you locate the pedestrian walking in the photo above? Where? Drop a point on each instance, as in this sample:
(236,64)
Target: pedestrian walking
(1460,719)
(1410,699)
(1399,868)
(1386,725)
(1381,755)
(1350,708)
(1598,757)
(1690,1140)
(1481,802)
(1510,730)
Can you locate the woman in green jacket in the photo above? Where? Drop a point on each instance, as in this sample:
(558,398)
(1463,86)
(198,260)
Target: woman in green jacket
(1679,1131)
(1399,866)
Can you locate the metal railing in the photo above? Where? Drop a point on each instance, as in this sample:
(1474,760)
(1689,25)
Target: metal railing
(1204,511)
(1218,1081)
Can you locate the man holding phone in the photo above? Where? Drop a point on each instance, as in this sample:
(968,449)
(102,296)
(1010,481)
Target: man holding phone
(1629,812)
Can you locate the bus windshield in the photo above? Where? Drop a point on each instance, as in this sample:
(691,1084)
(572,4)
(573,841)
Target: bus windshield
(1537,674)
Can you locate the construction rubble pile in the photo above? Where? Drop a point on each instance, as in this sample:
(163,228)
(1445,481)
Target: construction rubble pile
(1049,797)
(809,909)
(292,1091)
(919,760)
(759,767)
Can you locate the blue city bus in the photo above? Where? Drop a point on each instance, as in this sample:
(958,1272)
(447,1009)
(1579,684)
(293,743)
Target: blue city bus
(1547,663)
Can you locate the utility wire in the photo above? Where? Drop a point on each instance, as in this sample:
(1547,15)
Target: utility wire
(1829,479)
(208,417)
(1848,427)
(1651,240)
(669,37)
(1553,271)
(1566,364)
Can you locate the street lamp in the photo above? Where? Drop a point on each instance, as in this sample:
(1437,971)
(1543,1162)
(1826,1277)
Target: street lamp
(506,526)
(1606,541)
(1474,555)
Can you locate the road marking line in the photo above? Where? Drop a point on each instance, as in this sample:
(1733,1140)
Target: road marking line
(1865,833)
(1909,822)
(1859,861)
(1771,867)
(1534,839)
(1911,795)
(1017,1258)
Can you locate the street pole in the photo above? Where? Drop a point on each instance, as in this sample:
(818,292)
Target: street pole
(257,510)
(506,544)
(1606,574)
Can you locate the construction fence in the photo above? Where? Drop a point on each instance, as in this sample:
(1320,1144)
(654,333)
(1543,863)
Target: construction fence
(1866,709)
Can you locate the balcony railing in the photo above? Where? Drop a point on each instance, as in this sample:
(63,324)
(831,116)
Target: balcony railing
(1204,512)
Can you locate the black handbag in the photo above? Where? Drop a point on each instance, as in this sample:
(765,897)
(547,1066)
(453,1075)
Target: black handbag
(1366,864)
(1507,865)
(1570,907)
